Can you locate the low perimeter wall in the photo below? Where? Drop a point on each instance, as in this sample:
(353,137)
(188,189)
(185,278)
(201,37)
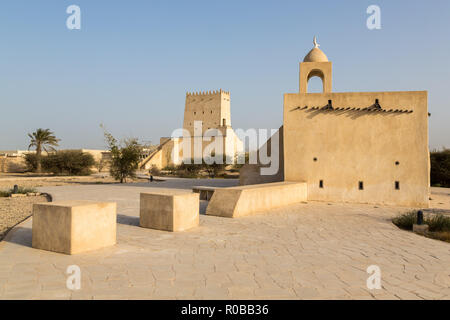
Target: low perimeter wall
(250,199)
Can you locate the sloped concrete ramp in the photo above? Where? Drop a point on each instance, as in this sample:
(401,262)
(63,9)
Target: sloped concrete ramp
(246,200)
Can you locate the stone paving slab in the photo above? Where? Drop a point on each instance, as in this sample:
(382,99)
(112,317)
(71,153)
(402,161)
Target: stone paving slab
(305,251)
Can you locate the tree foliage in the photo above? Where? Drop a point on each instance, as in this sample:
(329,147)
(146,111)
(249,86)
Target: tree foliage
(125,157)
(42,139)
(66,162)
(440,168)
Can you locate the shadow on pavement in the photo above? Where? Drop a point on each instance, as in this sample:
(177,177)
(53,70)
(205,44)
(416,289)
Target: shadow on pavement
(127,220)
(19,235)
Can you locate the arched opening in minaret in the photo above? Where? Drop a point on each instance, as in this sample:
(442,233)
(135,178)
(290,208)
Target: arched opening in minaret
(315,82)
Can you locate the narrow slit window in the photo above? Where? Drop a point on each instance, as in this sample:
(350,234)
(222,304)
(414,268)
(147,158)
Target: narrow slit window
(397,185)
(361,185)
(321,184)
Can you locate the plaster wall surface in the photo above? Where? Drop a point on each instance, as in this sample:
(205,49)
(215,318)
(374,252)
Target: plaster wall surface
(212,108)
(360,156)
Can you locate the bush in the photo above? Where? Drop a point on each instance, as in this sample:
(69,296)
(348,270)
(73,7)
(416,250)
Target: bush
(188,170)
(405,221)
(31,161)
(125,157)
(21,190)
(440,168)
(154,171)
(436,222)
(170,169)
(67,162)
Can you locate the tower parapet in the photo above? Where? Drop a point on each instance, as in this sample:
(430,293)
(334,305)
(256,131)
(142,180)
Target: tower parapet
(207,93)
(211,107)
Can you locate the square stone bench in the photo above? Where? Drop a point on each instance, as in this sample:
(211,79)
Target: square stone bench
(72,227)
(169,210)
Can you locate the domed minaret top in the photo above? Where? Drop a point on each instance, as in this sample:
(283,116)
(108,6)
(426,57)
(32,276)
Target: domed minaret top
(315,55)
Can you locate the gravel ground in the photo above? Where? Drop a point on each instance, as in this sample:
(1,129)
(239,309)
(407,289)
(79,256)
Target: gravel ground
(15,210)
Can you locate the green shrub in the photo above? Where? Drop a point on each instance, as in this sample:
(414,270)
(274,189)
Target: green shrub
(188,170)
(31,162)
(69,162)
(440,168)
(66,162)
(170,169)
(125,156)
(405,221)
(438,223)
(154,171)
(4,193)
(21,190)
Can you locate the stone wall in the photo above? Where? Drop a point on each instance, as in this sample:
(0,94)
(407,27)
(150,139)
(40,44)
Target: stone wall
(12,164)
(353,153)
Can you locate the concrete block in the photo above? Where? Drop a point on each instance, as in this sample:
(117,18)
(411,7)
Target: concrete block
(169,210)
(72,227)
(420,228)
(250,199)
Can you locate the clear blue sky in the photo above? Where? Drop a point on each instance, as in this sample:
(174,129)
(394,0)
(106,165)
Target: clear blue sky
(132,61)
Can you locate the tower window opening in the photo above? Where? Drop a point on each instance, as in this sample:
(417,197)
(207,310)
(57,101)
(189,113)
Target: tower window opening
(361,185)
(315,159)
(321,184)
(397,163)
(397,185)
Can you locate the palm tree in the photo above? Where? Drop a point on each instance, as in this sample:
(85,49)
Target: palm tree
(42,139)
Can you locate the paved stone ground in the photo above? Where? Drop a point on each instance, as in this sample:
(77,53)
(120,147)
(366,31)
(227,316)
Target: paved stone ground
(305,251)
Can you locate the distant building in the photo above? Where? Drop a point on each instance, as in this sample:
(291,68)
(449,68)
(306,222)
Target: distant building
(205,113)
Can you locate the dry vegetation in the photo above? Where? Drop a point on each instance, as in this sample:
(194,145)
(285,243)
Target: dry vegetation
(439,224)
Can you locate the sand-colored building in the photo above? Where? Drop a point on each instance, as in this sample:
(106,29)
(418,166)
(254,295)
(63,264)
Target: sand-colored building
(13,161)
(362,147)
(206,114)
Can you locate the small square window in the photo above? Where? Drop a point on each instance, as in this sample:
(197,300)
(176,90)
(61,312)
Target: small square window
(361,185)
